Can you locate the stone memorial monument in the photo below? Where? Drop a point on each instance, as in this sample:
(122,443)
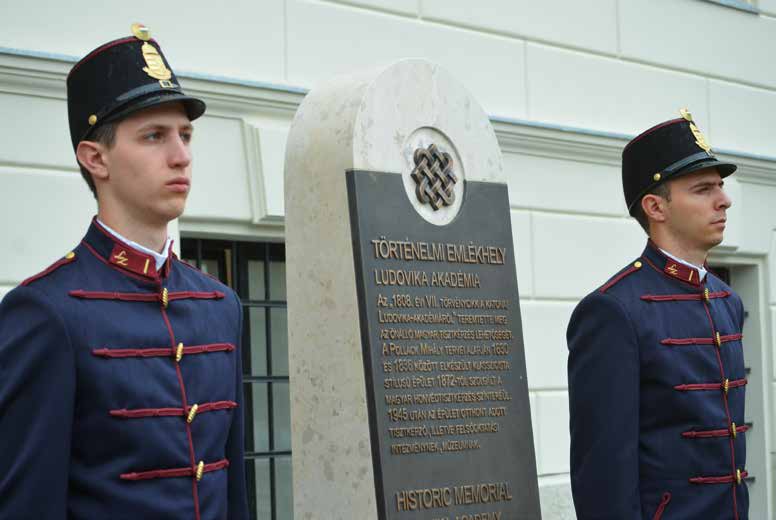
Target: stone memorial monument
(409,397)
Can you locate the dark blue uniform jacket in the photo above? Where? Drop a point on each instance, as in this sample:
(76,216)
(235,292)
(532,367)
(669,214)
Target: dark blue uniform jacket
(656,389)
(120,390)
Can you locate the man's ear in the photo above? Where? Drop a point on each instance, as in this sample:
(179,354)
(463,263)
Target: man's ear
(91,156)
(654,207)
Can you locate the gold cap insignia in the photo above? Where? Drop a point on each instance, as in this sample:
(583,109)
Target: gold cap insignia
(156,67)
(141,32)
(155,64)
(700,139)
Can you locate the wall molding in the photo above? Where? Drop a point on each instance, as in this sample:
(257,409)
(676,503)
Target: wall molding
(43,75)
(523,138)
(740,5)
(258,195)
(583,145)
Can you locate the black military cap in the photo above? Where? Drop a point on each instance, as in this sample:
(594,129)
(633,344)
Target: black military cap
(664,152)
(119,78)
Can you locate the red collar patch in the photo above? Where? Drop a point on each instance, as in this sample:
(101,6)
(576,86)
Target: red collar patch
(682,272)
(133,260)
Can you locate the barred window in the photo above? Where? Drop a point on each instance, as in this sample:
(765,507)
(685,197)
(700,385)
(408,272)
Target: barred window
(257,272)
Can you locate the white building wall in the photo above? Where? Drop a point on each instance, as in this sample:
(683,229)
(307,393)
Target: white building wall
(567,82)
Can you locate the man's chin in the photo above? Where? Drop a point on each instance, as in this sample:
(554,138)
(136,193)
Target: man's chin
(175,206)
(715,241)
(174,214)
(170,212)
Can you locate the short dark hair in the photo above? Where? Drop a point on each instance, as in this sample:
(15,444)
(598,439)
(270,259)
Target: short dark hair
(662,191)
(105,134)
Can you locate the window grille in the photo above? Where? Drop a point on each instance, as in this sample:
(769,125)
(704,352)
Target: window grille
(257,272)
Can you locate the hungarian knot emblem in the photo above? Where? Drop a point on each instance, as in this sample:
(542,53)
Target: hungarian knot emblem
(434,177)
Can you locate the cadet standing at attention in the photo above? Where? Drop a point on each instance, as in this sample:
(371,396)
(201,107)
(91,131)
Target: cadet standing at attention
(656,363)
(120,373)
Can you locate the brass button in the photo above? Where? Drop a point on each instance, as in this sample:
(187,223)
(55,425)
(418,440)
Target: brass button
(179,353)
(192,413)
(200,470)
(637,264)
(657,177)
(733,431)
(92,120)
(165,297)
(718,340)
(726,385)
(738,476)
(70,255)
(706,294)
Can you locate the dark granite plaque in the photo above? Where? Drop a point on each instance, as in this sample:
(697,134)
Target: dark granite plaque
(449,414)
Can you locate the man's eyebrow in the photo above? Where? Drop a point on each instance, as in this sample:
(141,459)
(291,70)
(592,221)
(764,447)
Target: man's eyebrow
(703,184)
(188,127)
(152,126)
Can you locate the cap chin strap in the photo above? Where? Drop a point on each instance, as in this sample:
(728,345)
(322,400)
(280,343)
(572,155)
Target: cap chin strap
(146,89)
(678,165)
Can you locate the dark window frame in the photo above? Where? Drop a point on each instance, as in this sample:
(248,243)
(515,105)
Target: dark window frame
(233,268)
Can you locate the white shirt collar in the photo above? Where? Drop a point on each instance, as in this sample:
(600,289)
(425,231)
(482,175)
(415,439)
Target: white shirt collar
(701,271)
(159,258)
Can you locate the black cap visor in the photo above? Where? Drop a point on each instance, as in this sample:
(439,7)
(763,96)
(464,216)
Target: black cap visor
(194,108)
(723,168)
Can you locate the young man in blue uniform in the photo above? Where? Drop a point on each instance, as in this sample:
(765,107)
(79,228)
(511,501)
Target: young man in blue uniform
(656,364)
(120,373)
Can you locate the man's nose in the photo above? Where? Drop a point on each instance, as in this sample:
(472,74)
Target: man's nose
(179,153)
(724,200)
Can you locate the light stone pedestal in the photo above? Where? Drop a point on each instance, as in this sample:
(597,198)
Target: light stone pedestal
(365,121)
